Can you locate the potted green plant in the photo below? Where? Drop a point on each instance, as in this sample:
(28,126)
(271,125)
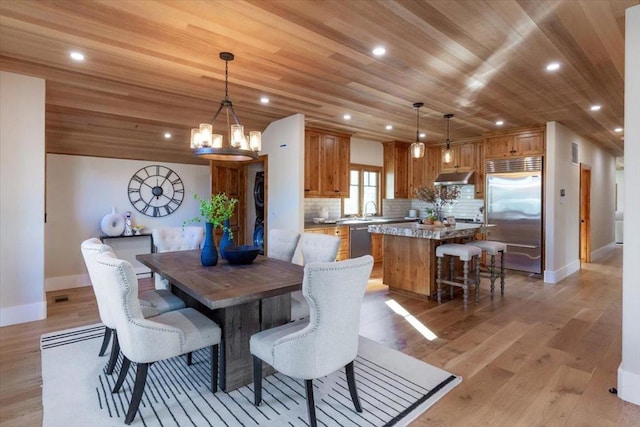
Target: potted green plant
(215,212)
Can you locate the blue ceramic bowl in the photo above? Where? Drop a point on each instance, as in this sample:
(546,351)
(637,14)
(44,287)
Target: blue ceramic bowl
(244,254)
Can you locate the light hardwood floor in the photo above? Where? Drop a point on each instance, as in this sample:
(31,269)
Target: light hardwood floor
(544,355)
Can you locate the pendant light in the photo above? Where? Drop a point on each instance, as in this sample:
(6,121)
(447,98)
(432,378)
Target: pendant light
(417,148)
(447,155)
(212,146)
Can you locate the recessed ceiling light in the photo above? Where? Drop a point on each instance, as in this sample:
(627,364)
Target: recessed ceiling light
(618,130)
(500,122)
(76,56)
(264,100)
(422,135)
(595,108)
(553,66)
(347,117)
(167,135)
(379,51)
(389,127)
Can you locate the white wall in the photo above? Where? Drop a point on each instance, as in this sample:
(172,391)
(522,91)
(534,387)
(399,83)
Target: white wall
(364,152)
(81,190)
(620,190)
(562,226)
(283,142)
(22,157)
(629,370)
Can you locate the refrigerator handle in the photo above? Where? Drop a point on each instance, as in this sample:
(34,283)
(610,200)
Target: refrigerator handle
(523,246)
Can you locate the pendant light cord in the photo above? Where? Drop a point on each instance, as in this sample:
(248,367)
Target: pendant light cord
(418,124)
(448,117)
(226,80)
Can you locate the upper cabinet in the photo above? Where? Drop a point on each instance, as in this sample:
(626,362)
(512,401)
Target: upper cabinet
(462,160)
(515,143)
(396,170)
(326,164)
(425,170)
(479,172)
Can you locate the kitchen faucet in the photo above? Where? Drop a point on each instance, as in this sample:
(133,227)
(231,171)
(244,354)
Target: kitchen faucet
(375,207)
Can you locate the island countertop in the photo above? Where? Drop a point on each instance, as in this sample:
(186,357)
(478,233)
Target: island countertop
(434,232)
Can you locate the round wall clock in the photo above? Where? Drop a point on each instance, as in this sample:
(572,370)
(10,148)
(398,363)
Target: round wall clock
(156,190)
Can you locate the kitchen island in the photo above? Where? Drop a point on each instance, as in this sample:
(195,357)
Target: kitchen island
(409,265)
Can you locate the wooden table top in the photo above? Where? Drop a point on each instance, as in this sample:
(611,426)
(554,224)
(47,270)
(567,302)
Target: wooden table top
(225,285)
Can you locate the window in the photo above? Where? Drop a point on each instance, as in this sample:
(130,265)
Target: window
(364,191)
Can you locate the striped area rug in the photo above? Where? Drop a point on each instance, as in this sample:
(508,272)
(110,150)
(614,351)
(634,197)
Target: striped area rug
(393,387)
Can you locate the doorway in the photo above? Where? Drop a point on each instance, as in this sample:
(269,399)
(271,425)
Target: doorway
(585,213)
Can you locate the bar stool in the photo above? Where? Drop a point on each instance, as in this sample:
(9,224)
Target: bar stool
(465,253)
(493,248)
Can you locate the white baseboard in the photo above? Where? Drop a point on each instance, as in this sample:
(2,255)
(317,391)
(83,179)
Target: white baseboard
(602,251)
(80,280)
(628,386)
(23,313)
(551,276)
(66,282)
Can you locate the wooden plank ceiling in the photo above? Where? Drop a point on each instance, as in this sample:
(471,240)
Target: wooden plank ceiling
(153,67)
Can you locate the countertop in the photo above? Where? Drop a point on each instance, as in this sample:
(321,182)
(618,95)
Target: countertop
(354,221)
(435,232)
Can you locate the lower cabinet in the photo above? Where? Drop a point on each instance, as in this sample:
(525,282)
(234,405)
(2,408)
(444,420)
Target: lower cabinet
(342,232)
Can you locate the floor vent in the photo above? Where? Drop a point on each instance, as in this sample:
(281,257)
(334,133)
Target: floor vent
(60,298)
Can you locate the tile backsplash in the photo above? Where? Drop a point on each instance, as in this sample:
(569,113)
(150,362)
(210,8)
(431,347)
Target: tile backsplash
(313,206)
(466,206)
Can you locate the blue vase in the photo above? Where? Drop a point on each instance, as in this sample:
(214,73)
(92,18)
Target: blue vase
(227,239)
(209,253)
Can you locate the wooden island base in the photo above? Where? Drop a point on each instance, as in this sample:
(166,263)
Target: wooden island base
(409,265)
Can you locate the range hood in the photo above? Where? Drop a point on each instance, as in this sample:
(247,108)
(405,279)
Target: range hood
(453,178)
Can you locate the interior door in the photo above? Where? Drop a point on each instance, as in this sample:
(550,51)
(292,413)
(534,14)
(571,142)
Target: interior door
(230,178)
(585,213)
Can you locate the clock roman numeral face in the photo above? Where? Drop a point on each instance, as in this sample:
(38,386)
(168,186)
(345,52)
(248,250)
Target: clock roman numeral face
(156,191)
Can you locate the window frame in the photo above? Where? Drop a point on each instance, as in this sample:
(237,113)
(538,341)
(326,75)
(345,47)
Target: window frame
(361,170)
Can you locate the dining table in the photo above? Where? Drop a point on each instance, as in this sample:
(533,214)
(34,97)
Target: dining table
(241,299)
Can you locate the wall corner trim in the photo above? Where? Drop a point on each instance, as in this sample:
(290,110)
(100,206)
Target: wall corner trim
(628,386)
(553,277)
(23,313)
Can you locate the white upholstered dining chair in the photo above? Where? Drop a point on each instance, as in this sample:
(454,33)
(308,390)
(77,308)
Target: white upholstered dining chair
(170,239)
(145,341)
(152,303)
(282,244)
(315,247)
(329,340)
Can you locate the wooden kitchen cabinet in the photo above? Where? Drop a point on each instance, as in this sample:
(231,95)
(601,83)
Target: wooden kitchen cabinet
(425,170)
(312,155)
(479,172)
(396,169)
(515,143)
(326,164)
(463,159)
(341,231)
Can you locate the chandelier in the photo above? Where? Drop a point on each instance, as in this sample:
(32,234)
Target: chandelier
(212,146)
(447,154)
(417,148)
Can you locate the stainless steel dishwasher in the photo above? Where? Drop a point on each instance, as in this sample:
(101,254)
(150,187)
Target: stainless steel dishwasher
(360,240)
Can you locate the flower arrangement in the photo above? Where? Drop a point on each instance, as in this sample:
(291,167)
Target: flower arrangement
(438,196)
(215,210)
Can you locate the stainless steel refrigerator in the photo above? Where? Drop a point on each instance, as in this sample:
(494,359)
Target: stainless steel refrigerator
(514,205)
